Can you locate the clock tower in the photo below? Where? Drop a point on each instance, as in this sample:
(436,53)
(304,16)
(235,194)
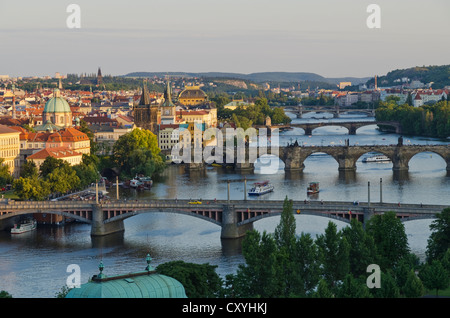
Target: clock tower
(168,109)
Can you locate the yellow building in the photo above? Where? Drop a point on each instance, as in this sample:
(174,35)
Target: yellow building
(192,96)
(10,149)
(206,116)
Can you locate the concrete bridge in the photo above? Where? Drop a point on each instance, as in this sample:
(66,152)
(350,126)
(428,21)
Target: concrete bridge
(351,126)
(293,156)
(235,217)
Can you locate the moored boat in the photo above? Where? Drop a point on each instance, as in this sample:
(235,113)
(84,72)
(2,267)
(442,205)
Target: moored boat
(313,188)
(260,188)
(26,226)
(141,182)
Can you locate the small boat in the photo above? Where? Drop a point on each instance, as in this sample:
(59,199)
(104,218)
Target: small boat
(377,158)
(313,188)
(141,182)
(26,226)
(260,188)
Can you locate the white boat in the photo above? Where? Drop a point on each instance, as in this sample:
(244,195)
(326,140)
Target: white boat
(260,188)
(138,181)
(27,226)
(377,158)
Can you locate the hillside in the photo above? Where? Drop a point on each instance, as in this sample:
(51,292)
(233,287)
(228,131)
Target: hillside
(438,75)
(274,77)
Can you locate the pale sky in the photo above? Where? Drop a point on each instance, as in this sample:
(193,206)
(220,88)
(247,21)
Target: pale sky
(327,37)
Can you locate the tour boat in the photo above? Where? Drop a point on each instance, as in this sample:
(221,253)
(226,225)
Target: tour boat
(313,188)
(141,182)
(377,158)
(27,226)
(260,188)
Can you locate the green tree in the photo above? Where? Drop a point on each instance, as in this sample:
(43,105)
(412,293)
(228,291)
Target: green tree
(390,238)
(307,265)
(285,231)
(334,254)
(130,142)
(33,188)
(323,291)
(29,170)
(63,179)
(434,276)
(388,288)
(199,280)
(258,276)
(5,294)
(439,240)
(413,287)
(5,175)
(362,247)
(87,170)
(352,288)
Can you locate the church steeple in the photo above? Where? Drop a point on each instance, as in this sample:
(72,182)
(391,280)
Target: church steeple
(145,97)
(167,96)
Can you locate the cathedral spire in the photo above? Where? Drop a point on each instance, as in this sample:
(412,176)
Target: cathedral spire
(145,97)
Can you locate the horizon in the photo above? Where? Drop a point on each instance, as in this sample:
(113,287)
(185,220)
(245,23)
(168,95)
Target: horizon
(328,38)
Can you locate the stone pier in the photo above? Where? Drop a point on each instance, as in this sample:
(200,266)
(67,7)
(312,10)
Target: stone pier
(99,227)
(230,229)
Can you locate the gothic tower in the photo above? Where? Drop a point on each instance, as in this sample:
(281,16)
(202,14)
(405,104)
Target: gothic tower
(99,77)
(168,109)
(146,115)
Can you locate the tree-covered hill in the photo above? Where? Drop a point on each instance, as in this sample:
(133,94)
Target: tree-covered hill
(438,75)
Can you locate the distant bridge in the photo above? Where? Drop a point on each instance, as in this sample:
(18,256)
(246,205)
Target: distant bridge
(351,126)
(300,110)
(294,156)
(235,217)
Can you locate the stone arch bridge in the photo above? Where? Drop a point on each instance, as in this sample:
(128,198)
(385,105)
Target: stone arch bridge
(234,217)
(293,156)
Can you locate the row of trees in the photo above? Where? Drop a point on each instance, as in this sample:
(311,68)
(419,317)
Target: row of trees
(428,120)
(134,153)
(55,176)
(283,264)
(256,114)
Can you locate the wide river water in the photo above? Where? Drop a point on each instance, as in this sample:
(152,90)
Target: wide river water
(34,265)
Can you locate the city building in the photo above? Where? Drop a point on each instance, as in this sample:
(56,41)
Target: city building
(10,149)
(146,114)
(64,153)
(192,96)
(57,113)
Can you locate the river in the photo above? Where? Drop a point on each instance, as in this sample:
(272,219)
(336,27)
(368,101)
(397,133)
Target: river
(34,265)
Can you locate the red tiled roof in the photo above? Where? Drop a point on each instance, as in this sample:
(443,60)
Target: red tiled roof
(56,152)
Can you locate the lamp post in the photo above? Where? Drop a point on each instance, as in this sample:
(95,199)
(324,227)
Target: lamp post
(381,190)
(368,193)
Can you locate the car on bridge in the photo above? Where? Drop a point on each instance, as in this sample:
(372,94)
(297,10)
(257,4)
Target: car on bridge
(195,202)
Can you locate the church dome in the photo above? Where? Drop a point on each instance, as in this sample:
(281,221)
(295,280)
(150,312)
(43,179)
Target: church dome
(144,284)
(57,104)
(192,92)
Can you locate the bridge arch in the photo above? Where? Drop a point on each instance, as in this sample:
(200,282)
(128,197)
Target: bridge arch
(431,153)
(205,215)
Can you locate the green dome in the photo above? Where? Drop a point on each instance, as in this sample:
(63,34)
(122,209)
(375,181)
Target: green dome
(138,285)
(57,104)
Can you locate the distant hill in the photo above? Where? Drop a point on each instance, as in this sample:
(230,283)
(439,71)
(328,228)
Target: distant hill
(258,77)
(438,75)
